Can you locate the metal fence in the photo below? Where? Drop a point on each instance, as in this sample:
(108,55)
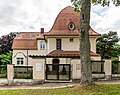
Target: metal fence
(97,67)
(58,72)
(3,71)
(23,72)
(115,67)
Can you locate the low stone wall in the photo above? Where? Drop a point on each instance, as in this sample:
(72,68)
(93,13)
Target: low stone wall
(99,76)
(39,73)
(3,81)
(20,82)
(23,81)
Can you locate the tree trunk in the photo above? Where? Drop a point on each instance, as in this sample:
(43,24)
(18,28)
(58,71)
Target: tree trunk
(86,74)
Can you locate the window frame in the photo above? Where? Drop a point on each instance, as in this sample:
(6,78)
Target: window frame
(42,45)
(58,44)
(71,39)
(20,61)
(71,24)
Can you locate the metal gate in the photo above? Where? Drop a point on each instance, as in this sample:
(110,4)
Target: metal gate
(58,71)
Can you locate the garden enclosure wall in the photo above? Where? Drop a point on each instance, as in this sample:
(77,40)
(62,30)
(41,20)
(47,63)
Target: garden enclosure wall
(11,74)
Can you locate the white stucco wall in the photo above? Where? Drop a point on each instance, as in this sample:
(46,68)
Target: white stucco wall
(93,43)
(62,60)
(70,46)
(67,45)
(38,64)
(19,54)
(51,44)
(23,54)
(76,68)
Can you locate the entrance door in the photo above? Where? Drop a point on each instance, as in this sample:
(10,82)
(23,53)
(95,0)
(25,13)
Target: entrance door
(64,72)
(57,71)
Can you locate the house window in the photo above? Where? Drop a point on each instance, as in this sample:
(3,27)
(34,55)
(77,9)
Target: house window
(19,61)
(42,45)
(71,26)
(58,44)
(71,39)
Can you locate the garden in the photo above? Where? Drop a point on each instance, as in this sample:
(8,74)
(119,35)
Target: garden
(101,89)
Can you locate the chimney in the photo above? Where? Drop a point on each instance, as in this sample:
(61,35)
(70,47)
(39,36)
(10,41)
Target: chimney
(42,30)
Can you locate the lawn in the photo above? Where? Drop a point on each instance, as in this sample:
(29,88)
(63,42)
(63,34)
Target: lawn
(113,89)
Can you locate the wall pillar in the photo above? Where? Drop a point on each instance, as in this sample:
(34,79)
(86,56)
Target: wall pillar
(38,73)
(108,69)
(76,70)
(119,57)
(10,74)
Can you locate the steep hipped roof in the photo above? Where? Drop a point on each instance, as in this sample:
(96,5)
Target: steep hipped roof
(26,40)
(29,35)
(60,26)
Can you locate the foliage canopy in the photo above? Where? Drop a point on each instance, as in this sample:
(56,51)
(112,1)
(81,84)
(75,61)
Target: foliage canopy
(6,42)
(106,45)
(78,3)
(6,58)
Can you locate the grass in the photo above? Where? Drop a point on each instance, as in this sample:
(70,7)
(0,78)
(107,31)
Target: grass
(106,89)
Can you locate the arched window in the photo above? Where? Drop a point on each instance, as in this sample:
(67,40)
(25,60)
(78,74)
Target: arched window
(55,65)
(42,45)
(55,61)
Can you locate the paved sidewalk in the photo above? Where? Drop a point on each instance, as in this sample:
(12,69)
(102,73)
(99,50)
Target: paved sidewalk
(53,85)
(40,86)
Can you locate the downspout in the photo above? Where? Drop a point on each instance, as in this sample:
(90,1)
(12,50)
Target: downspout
(27,62)
(27,57)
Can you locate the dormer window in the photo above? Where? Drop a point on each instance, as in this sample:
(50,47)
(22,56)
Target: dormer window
(71,26)
(42,45)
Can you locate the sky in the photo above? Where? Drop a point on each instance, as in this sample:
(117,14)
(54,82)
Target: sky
(31,15)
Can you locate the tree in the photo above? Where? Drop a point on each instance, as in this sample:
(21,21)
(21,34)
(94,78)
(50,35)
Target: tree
(116,50)
(84,6)
(6,58)
(6,42)
(105,45)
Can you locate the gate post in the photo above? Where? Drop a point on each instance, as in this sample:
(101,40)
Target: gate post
(38,73)
(76,70)
(108,69)
(10,73)
(119,57)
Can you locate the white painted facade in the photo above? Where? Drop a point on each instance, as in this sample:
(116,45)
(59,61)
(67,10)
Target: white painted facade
(49,45)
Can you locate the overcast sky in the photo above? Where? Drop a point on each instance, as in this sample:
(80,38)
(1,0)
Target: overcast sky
(31,15)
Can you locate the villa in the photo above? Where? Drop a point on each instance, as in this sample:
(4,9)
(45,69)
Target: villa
(54,54)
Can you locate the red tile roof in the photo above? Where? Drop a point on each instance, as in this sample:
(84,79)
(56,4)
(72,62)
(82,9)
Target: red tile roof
(60,26)
(29,35)
(61,52)
(26,40)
